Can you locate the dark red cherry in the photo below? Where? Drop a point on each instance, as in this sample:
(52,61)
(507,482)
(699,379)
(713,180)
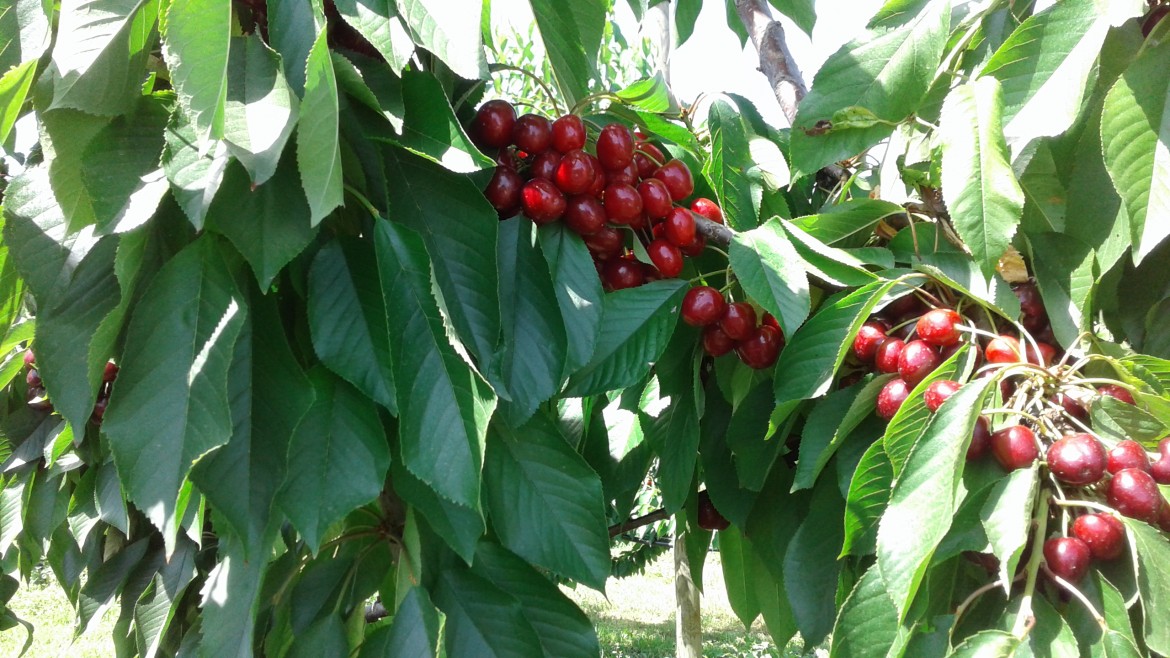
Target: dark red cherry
(917,360)
(493,124)
(666,257)
(891,397)
(606,243)
(707,208)
(888,353)
(568,133)
(702,305)
(584,214)
(621,273)
(1128,454)
(1046,355)
(866,342)
(1104,534)
(761,348)
(739,320)
(938,392)
(1014,447)
(1067,557)
(542,201)
(655,198)
(544,165)
(709,518)
(939,327)
(623,204)
(574,173)
(677,177)
(30,359)
(600,178)
(647,159)
(99,410)
(980,439)
(1160,469)
(503,191)
(695,248)
(716,342)
(1134,493)
(33,379)
(1072,407)
(679,225)
(532,133)
(615,147)
(1078,459)
(1116,392)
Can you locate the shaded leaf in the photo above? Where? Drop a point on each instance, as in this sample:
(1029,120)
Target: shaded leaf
(482,620)
(318,143)
(261,109)
(577,288)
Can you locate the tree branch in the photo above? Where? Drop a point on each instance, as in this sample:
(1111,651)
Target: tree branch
(776,61)
(659,514)
(714,232)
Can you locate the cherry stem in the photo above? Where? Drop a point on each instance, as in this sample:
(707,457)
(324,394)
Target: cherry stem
(1083,503)
(601,95)
(1007,411)
(975,595)
(363,200)
(1071,589)
(1025,619)
(496,67)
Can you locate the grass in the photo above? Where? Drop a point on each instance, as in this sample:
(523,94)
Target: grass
(634,620)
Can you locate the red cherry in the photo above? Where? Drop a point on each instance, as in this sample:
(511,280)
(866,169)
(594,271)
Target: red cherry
(866,342)
(655,198)
(679,225)
(695,248)
(980,439)
(647,158)
(600,178)
(939,327)
(30,359)
(627,175)
(574,174)
(568,133)
(739,321)
(904,308)
(891,397)
(1002,349)
(1045,356)
(1014,447)
(761,348)
(709,518)
(938,392)
(716,342)
(1072,407)
(33,379)
(1116,392)
(1032,313)
(1078,459)
(707,208)
(532,133)
(917,360)
(1103,533)
(99,410)
(677,177)
(623,204)
(666,257)
(1161,470)
(503,191)
(38,399)
(621,273)
(542,201)
(606,243)
(702,305)
(887,354)
(1134,493)
(544,165)
(1067,557)
(615,146)
(110,373)
(771,321)
(1128,454)
(584,214)
(493,124)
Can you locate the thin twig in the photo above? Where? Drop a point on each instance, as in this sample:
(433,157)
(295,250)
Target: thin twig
(659,514)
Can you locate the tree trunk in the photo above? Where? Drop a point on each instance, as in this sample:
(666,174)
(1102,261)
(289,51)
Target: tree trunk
(776,61)
(688,623)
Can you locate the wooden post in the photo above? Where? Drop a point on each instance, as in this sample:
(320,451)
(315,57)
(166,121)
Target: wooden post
(688,622)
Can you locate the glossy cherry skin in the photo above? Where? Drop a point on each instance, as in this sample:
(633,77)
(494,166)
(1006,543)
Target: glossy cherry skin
(666,257)
(647,159)
(679,226)
(600,178)
(1103,533)
(623,204)
(771,321)
(1072,407)
(1014,447)
(1002,349)
(707,208)
(917,360)
(716,342)
(627,175)
(1117,392)
(574,174)
(99,409)
(939,327)
(542,201)
(532,133)
(709,518)
(584,214)
(606,243)
(868,338)
(677,177)
(891,397)
(1032,313)
(568,133)
(1067,557)
(887,354)
(493,124)
(30,359)
(1160,469)
(938,392)
(655,198)
(1128,454)
(33,379)
(695,248)
(980,439)
(545,165)
(615,146)
(703,305)
(503,191)
(738,321)
(761,349)
(1134,493)
(1077,459)
(621,273)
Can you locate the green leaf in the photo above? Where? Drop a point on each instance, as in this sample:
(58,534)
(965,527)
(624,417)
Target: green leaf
(1065,275)
(100,54)
(170,403)
(14,88)
(430,128)
(671,419)
(886,71)
(482,619)
(572,37)
(982,194)
(228,622)
(562,628)
(911,422)
(1122,420)
(1134,124)
(869,493)
(546,503)
(194,176)
(532,353)
(455,221)
(26,22)
(829,424)
(64,136)
(802,12)
(318,145)
(261,109)
(451,33)
(120,167)
(443,415)
(770,271)
(577,288)
(686,14)
(458,525)
(922,501)
(1007,518)
(636,326)
(727,169)
(195,43)
(987,644)
(650,94)
(347,319)
(835,266)
(735,553)
(847,219)
(1153,576)
(379,23)
(106,581)
(811,567)
(867,624)
(413,633)
(268,224)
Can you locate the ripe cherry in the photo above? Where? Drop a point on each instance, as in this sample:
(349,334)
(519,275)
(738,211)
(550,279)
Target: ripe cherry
(679,226)
(709,517)
(761,348)
(702,305)
(33,379)
(574,174)
(1128,454)
(38,399)
(939,327)
(110,373)
(866,342)
(917,360)
(493,124)
(716,342)
(30,359)
(738,321)
(568,133)
(647,159)
(887,354)
(99,410)
(606,243)
(584,214)
(980,439)
(544,165)
(1116,392)
(503,191)
(627,175)
(1161,469)
(1103,533)
(532,133)
(621,273)
(891,397)
(1134,493)
(542,201)
(623,204)
(1002,349)
(938,392)
(1014,447)
(677,177)
(615,146)
(1067,557)
(666,257)
(1078,459)
(655,198)
(1032,313)
(707,208)
(1072,407)
(600,178)
(1045,356)
(695,248)
(771,321)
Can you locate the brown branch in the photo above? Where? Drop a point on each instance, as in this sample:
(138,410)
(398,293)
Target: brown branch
(659,514)
(714,232)
(776,61)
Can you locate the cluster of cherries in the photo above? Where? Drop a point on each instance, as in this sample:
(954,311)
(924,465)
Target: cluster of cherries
(733,326)
(545,170)
(38,398)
